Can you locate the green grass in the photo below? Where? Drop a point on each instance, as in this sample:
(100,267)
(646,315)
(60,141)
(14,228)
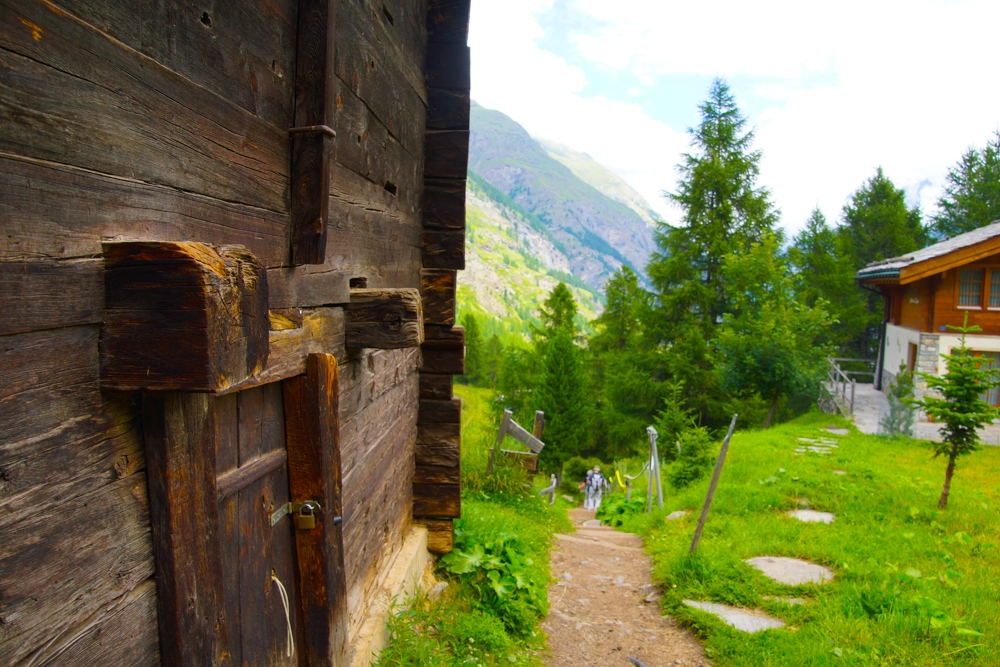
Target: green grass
(469,625)
(912,584)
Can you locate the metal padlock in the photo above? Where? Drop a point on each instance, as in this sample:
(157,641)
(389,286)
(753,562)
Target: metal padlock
(305,521)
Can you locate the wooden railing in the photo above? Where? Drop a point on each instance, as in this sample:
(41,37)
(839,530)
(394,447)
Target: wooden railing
(842,383)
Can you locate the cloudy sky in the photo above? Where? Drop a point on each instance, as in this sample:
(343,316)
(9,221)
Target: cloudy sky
(833,90)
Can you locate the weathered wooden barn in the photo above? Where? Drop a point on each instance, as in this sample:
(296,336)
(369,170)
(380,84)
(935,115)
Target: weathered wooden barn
(230,236)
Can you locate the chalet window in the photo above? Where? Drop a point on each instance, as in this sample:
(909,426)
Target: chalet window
(970,288)
(994,289)
(990,361)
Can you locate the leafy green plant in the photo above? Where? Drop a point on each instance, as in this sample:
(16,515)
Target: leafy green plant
(498,570)
(615,509)
(695,458)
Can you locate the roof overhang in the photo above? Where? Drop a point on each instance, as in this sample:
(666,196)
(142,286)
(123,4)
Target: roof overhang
(954,259)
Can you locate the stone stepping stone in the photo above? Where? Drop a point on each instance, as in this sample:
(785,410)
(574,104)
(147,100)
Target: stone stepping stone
(818,449)
(811,516)
(791,602)
(791,571)
(808,440)
(677,515)
(745,620)
(839,472)
(593,523)
(837,431)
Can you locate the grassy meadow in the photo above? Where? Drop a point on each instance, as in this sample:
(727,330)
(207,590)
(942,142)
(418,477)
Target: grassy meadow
(913,585)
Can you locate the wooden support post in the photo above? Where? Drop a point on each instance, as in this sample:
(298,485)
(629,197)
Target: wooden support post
(655,456)
(182,317)
(711,488)
(437,288)
(384,319)
(495,452)
(180,433)
(312,137)
(312,432)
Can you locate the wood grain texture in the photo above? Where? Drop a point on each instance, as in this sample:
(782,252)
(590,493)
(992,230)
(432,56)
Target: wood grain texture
(447,22)
(436,387)
(440,412)
(163,128)
(446,154)
(437,289)
(449,66)
(239,478)
(444,249)
(61,212)
(437,500)
(180,452)
(239,50)
(46,294)
(312,428)
(444,203)
(447,109)
(450,361)
(444,337)
(164,298)
(436,475)
(440,534)
(384,319)
(438,445)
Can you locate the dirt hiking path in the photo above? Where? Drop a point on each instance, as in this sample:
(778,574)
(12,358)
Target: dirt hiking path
(598,615)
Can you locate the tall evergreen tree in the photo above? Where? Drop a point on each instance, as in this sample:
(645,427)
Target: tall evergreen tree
(474,350)
(972,193)
(724,211)
(493,360)
(558,313)
(562,395)
(618,327)
(876,225)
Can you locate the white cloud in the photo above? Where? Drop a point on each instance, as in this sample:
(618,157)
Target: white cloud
(836,89)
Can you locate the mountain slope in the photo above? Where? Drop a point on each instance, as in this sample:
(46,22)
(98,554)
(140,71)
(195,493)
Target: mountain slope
(597,233)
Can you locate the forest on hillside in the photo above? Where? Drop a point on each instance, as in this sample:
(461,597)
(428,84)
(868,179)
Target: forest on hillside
(738,319)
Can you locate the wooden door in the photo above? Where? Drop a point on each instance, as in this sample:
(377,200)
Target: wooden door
(255,555)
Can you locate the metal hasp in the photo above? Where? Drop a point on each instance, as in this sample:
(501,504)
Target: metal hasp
(297,508)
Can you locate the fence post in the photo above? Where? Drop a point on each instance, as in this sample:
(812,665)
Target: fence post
(711,488)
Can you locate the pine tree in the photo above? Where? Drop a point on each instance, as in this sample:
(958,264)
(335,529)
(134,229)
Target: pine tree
(474,352)
(724,211)
(562,395)
(960,406)
(558,313)
(618,327)
(876,225)
(493,360)
(972,193)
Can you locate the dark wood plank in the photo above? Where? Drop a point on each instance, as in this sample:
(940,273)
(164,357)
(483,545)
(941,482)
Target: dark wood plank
(163,128)
(384,319)
(446,154)
(447,22)
(239,478)
(448,360)
(312,150)
(437,500)
(440,412)
(447,109)
(440,534)
(444,203)
(312,428)
(121,633)
(264,550)
(438,445)
(160,297)
(240,50)
(45,294)
(35,197)
(437,288)
(227,460)
(180,454)
(449,66)
(436,475)
(444,249)
(437,387)
(444,337)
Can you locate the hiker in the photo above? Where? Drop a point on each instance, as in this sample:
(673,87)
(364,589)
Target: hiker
(598,483)
(585,487)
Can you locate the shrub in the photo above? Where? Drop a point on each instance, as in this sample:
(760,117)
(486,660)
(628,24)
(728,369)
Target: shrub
(695,458)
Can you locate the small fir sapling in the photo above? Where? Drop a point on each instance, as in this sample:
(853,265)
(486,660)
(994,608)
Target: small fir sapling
(960,407)
(898,422)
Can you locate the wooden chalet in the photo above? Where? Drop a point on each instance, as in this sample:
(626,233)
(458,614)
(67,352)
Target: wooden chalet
(229,237)
(931,289)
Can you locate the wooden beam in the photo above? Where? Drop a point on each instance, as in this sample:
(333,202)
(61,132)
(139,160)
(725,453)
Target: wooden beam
(437,500)
(443,249)
(444,203)
(446,154)
(444,337)
(449,66)
(448,110)
(448,21)
(437,475)
(47,293)
(438,445)
(437,289)
(440,412)
(312,432)
(447,361)
(182,317)
(526,460)
(312,138)
(440,534)
(435,387)
(180,432)
(384,319)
